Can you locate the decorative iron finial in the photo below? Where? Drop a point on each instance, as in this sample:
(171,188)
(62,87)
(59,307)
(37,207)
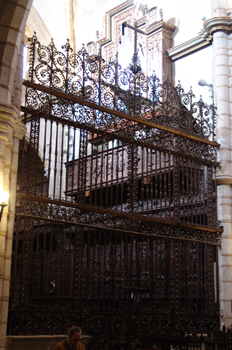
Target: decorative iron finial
(33,39)
(67,46)
(191,92)
(135,66)
(52,45)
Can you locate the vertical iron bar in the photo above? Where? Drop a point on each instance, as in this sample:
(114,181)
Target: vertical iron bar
(147,178)
(74,164)
(37,284)
(78,266)
(192,191)
(111,270)
(160,182)
(210,197)
(165,186)
(88,271)
(169,186)
(58,262)
(83,164)
(55,161)
(117,185)
(32,56)
(105,269)
(66,284)
(107,174)
(168,262)
(26,262)
(14,259)
(96,171)
(93,265)
(177,295)
(132,189)
(177,193)
(102,174)
(151,182)
(43,193)
(142,179)
(99,277)
(50,262)
(44,265)
(156,183)
(91,171)
(50,157)
(112,179)
(62,270)
(61,164)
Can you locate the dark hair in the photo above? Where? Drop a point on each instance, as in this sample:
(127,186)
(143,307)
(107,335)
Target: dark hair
(74,329)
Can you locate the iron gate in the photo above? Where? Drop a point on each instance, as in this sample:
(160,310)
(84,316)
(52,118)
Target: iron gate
(116,227)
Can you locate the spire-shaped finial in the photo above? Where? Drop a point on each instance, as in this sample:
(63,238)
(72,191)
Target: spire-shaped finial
(67,46)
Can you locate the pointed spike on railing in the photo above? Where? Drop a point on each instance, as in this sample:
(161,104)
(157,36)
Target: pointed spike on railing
(83,51)
(116,59)
(52,44)
(67,46)
(33,39)
(191,92)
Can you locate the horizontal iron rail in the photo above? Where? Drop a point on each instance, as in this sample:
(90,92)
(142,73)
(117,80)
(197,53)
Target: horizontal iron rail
(80,101)
(110,229)
(29,112)
(118,214)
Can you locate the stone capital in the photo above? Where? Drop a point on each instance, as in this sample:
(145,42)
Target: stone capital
(204,38)
(224,180)
(217,24)
(10,122)
(19,129)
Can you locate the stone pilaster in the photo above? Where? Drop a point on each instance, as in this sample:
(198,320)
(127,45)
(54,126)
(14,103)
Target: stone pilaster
(11,130)
(13,17)
(220,28)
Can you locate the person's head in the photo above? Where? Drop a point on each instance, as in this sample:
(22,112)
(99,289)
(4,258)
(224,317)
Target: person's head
(74,335)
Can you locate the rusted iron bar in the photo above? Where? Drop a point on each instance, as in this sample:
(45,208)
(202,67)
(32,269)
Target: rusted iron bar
(119,214)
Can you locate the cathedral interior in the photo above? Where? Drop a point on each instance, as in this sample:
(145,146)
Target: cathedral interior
(119,175)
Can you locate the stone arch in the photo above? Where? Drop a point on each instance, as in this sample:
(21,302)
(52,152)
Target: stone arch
(12,23)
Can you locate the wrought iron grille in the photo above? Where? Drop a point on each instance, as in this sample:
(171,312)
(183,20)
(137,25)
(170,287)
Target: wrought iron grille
(116,223)
(105,84)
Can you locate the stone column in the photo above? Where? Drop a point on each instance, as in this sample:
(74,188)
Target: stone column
(11,130)
(13,17)
(222,46)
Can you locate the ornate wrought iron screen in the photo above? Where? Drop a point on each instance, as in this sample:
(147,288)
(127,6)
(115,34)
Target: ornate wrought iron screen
(116,223)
